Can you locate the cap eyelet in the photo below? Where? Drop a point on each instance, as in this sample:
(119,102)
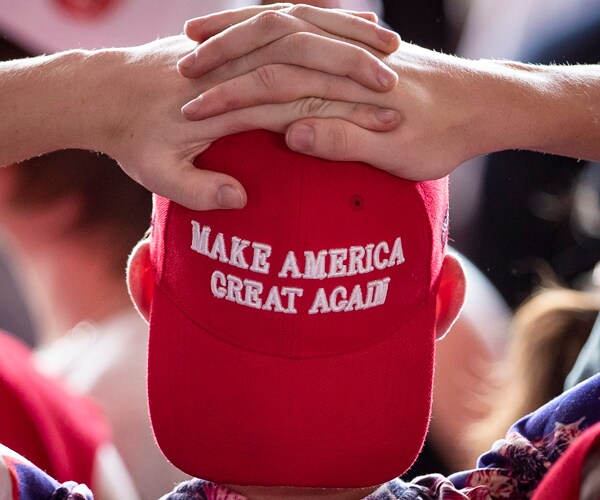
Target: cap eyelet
(357,202)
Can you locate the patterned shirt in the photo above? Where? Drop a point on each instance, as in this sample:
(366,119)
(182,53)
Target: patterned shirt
(21,480)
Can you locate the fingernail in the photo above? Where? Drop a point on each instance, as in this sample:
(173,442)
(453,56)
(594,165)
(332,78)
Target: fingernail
(301,138)
(386,116)
(192,107)
(386,76)
(187,61)
(229,197)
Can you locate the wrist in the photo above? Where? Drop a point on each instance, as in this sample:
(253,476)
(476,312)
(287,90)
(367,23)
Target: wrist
(45,100)
(539,108)
(99,92)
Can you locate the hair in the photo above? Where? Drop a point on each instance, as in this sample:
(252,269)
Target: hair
(110,200)
(548,332)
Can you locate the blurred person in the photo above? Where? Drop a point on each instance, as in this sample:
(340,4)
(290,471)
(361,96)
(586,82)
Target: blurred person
(588,361)
(99,24)
(73,215)
(492,30)
(14,314)
(62,432)
(547,336)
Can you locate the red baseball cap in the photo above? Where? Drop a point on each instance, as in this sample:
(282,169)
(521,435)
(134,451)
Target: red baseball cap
(292,341)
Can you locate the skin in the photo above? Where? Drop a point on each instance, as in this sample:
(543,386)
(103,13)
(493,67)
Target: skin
(69,100)
(450,109)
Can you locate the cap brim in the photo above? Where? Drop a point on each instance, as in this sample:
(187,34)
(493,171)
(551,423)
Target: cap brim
(235,416)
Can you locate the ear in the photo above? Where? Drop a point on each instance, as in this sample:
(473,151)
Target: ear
(140,280)
(451,295)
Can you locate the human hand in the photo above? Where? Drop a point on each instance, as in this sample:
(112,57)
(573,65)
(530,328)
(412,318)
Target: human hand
(279,62)
(252,42)
(453,109)
(450,109)
(281,59)
(147,134)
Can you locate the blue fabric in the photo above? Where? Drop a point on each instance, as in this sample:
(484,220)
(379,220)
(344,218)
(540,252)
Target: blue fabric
(32,483)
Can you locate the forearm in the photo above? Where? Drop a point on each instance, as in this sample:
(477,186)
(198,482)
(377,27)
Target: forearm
(551,109)
(53,102)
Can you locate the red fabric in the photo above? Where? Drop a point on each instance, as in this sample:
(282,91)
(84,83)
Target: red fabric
(40,419)
(245,388)
(563,480)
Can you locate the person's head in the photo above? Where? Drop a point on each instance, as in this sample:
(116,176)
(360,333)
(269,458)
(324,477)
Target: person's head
(292,341)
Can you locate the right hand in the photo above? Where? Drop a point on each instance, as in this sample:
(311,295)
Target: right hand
(450,109)
(433,100)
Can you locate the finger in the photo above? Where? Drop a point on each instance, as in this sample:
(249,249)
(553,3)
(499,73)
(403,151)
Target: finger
(265,28)
(311,51)
(197,189)
(359,26)
(365,116)
(275,84)
(277,117)
(208,190)
(202,28)
(336,139)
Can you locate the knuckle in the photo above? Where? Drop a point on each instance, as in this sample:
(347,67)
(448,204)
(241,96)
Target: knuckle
(195,193)
(312,106)
(362,57)
(298,10)
(266,20)
(297,44)
(222,96)
(357,110)
(328,88)
(339,141)
(265,77)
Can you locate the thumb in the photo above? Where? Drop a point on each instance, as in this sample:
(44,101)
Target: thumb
(197,189)
(335,139)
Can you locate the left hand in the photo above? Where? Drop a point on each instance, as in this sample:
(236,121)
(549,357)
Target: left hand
(139,122)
